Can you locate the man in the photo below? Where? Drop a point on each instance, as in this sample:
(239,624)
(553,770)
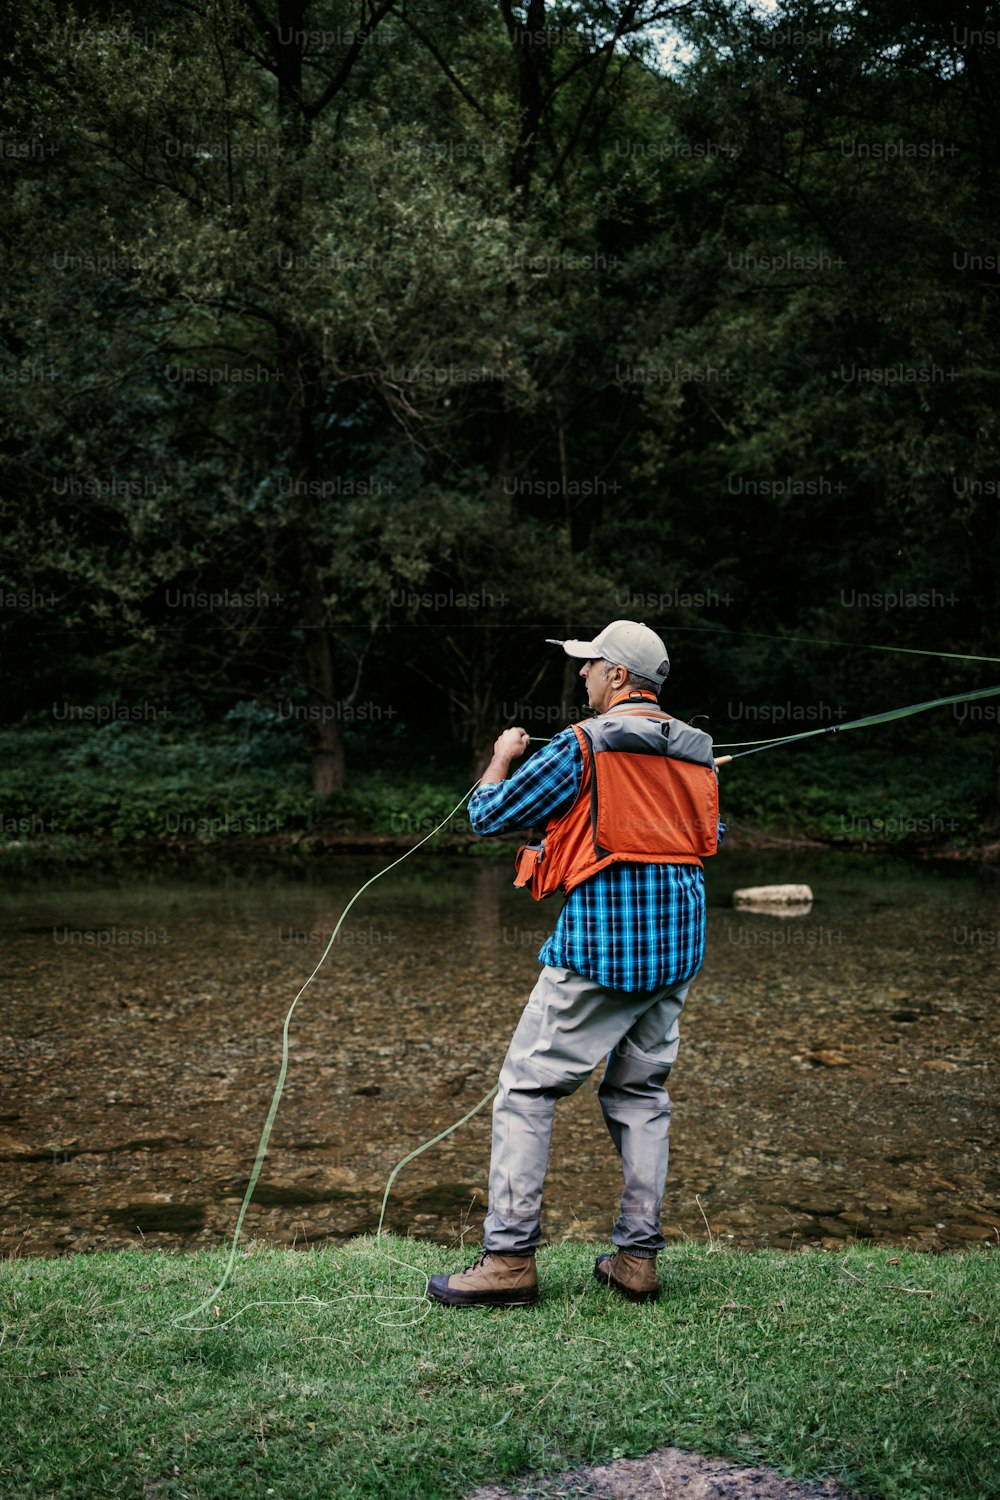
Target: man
(631,802)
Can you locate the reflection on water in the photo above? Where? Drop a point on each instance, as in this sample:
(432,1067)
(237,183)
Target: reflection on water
(834,1079)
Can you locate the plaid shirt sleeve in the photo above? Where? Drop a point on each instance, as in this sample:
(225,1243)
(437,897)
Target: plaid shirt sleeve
(546,785)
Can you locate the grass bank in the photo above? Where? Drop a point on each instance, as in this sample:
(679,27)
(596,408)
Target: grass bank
(877,1367)
(72,790)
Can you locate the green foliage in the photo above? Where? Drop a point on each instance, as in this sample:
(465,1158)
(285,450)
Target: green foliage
(566,329)
(140,783)
(132,782)
(908,795)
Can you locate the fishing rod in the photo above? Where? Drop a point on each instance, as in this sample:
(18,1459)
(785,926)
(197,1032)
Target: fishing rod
(811,640)
(808,734)
(882,718)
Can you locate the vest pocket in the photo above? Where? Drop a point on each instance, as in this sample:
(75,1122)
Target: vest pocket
(528,862)
(525,860)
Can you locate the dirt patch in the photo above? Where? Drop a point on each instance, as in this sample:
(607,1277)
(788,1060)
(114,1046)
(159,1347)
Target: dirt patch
(665,1474)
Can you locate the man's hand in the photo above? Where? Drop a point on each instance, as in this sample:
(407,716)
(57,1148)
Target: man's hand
(510,744)
(507,747)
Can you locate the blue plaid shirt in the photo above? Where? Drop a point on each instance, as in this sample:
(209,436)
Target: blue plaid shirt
(630,926)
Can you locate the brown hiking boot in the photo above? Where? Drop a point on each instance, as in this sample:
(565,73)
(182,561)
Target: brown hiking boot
(493,1281)
(632,1275)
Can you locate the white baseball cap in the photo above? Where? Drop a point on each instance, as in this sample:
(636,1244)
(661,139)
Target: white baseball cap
(627,644)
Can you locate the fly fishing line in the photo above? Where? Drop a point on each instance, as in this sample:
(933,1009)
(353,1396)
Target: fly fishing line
(754,747)
(808,640)
(881,718)
(283,1070)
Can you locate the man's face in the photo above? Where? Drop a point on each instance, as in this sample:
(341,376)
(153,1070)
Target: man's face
(603,680)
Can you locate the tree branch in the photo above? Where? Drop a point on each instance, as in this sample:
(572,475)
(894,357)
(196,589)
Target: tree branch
(379,13)
(451,76)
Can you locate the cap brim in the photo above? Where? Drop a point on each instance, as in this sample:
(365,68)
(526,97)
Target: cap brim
(585,649)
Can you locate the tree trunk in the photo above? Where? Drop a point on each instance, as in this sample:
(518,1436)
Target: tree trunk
(528,44)
(571,689)
(319,670)
(991,811)
(327,741)
(297,366)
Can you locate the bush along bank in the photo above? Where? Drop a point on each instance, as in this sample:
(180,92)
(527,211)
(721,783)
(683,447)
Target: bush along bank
(75,792)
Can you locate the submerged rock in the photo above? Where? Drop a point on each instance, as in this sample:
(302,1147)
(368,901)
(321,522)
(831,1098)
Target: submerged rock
(785,900)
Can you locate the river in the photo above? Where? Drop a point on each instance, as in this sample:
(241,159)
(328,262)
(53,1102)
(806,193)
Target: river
(836,1078)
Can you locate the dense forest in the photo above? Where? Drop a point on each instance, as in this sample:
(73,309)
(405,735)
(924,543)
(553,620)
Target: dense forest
(350,350)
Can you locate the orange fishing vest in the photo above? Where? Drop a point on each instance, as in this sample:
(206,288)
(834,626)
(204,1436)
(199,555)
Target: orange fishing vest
(649,795)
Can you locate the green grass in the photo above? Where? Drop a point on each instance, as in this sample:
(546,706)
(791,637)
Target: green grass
(816,1364)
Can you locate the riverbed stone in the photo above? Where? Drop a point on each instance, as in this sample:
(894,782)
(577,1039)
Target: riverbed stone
(752,1130)
(773,895)
(963,1232)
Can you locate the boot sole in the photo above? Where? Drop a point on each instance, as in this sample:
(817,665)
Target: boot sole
(444,1294)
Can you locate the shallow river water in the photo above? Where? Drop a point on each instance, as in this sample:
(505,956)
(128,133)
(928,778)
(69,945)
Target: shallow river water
(836,1078)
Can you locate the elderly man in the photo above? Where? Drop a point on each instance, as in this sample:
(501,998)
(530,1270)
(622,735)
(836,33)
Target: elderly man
(630,799)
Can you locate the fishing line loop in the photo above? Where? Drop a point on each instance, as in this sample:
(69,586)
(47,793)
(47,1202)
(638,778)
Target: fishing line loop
(283,1070)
